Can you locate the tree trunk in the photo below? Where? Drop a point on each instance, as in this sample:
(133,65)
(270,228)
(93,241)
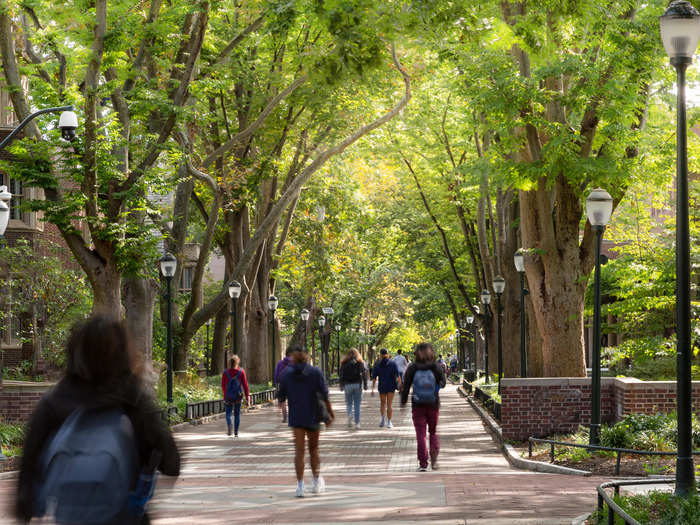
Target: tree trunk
(257,353)
(218,344)
(139,301)
(106,289)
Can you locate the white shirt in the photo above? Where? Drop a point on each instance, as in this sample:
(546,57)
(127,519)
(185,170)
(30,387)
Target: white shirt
(401,363)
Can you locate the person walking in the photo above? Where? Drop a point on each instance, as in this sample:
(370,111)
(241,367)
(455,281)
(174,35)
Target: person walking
(305,390)
(279,369)
(352,379)
(401,362)
(234,385)
(426,377)
(101,414)
(389,381)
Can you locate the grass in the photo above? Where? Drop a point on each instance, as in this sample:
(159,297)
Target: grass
(12,439)
(655,508)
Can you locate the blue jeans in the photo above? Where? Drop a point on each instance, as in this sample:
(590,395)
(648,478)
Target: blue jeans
(236,408)
(353,396)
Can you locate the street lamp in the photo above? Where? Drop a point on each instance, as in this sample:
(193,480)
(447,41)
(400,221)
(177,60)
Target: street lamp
(680,32)
(272,303)
(321,324)
(208,351)
(326,340)
(599,207)
(499,285)
(470,320)
(67,123)
(5,197)
(485,300)
(304,318)
(337,362)
(234,292)
(519,260)
(168,265)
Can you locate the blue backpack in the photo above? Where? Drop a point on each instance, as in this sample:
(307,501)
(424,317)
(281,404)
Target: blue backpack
(89,469)
(234,391)
(424,387)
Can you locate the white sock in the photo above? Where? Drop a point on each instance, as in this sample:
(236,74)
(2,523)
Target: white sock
(300,484)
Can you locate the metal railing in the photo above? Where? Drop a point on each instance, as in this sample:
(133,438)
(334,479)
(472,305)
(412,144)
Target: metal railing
(613,508)
(619,451)
(165,413)
(216,406)
(490,403)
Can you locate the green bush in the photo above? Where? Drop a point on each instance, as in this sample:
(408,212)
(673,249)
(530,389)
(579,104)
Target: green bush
(616,436)
(655,508)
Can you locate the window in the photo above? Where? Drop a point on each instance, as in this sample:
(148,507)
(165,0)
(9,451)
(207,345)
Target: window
(186,279)
(15,188)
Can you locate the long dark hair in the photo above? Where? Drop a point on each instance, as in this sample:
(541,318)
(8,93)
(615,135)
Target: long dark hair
(98,351)
(425,353)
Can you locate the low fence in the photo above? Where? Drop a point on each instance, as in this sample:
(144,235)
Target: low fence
(216,406)
(619,451)
(490,403)
(613,508)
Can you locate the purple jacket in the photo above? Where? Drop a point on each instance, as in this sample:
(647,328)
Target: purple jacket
(281,366)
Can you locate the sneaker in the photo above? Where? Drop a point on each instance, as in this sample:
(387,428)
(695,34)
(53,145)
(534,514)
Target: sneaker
(434,465)
(357,426)
(235,434)
(349,422)
(422,469)
(318,485)
(388,424)
(300,490)
(381,423)
(230,429)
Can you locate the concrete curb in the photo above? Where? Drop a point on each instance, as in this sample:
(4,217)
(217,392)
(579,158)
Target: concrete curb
(581,520)
(10,474)
(510,453)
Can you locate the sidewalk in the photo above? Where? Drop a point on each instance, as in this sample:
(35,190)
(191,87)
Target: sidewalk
(370,475)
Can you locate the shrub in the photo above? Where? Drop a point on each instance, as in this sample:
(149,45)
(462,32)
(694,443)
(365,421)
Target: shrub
(617,436)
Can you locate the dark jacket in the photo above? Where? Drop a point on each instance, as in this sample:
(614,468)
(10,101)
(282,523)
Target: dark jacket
(411,371)
(300,385)
(69,394)
(353,371)
(388,374)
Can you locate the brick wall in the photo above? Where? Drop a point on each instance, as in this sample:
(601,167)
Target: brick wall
(540,407)
(18,399)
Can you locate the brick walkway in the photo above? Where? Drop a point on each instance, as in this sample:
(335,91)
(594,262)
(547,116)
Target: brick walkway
(370,476)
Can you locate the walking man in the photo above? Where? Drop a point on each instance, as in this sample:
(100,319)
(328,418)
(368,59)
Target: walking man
(234,384)
(389,381)
(401,362)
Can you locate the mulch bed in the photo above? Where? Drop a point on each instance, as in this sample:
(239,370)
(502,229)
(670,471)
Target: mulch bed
(630,466)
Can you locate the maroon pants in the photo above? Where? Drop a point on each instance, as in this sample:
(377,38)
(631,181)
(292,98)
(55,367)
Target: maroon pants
(426,415)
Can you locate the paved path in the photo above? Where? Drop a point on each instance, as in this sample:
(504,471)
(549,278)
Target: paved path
(370,475)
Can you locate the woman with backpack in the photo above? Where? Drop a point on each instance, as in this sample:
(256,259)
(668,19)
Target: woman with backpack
(352,378)
(426,377)
(234,384)
(303,386)
(96,438)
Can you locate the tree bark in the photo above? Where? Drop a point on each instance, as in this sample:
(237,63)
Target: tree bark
(139,302)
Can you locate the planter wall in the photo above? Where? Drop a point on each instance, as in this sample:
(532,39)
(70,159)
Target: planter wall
(541,407)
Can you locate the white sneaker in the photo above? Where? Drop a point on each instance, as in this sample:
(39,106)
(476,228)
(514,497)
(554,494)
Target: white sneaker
(357,426)
(300,490)
(388,423)
(381,423)
(349,422)
(318,485)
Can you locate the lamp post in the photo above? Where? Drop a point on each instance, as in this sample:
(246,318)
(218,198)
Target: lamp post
(234,292)
(519,260)
(499,285)
(474,367)
(599,207)
(326,340)
(272,303)
(305,319)
(168,265)
(458,344)
(680,32)
(485,300)
(209,356)
(67,123)
(4,219)
(321,324)
(337,361)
